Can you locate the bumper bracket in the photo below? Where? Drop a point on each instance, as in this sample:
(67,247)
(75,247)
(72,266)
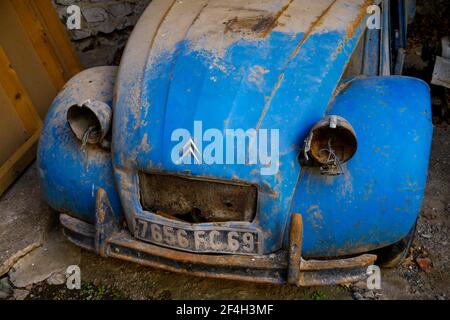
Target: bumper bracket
(108,239)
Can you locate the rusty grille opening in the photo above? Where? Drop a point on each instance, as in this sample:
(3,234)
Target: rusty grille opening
(197,200)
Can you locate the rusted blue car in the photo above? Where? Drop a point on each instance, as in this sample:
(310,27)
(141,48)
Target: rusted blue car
(143,161)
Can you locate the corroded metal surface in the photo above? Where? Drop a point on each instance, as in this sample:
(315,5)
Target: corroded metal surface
(295,248)
(106,222)
(273,268)
(197,200)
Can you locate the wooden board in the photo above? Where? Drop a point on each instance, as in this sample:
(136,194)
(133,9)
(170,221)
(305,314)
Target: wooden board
(11,128)
(18,95)
(14,93)
(19,161)
(60,41)
(36,60)
(26,62)
(40,40)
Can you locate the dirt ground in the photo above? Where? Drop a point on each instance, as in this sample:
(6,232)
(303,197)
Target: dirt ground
(425,274)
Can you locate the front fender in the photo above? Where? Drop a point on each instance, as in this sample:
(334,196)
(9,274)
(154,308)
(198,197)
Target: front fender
(377,200)
(70,177)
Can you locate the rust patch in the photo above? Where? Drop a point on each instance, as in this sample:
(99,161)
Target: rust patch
(293,55)
(363,260)
(361,15)
(272,268)
(313,26)
(261,25)
(198,15)
(197,201)
(295,248)
(258,25)
(163,19)
(342,138)
(269,101)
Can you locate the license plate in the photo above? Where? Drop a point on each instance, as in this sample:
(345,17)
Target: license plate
(213,240)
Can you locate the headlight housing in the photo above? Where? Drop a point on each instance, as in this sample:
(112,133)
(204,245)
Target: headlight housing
(90,121)
(331,142)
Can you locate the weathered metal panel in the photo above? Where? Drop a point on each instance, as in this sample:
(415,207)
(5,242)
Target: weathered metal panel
(376,201)
(197,200)
(223,66)
(272,268)
(70,176)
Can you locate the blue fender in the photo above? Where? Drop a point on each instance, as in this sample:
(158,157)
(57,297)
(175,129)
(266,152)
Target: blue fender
(70,177)
(377,200)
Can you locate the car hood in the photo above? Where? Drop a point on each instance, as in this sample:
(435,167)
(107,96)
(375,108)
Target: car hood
(231,65)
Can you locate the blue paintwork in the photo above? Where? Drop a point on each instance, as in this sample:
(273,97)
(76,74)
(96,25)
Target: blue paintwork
(374,204)
(69,177)
(232,102)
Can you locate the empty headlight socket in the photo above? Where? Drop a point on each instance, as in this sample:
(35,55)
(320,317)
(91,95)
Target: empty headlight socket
(330,143)
(90,122)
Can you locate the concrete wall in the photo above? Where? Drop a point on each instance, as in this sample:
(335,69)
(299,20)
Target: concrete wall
(105,28)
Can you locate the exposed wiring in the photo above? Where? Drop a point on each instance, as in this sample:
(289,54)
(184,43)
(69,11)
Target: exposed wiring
(90,131)
(333,165)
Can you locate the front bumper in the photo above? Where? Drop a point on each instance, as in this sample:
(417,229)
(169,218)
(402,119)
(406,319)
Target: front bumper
(109,239)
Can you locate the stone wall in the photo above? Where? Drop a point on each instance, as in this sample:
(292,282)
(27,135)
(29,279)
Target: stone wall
(105,28)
